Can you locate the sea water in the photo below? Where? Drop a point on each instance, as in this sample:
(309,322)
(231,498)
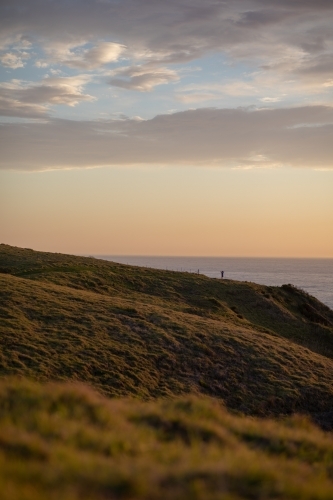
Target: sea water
(314,276)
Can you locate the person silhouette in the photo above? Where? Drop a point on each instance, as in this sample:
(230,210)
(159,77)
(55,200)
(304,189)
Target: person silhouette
(222,274)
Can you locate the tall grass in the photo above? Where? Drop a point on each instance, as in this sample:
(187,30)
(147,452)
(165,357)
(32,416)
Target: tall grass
(66,441)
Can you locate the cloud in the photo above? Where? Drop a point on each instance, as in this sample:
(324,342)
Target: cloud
(320,65)
(14,60)
(173,32)
(297,137)
(142,78)
(41,64)
(14,51)
(302,4)
(191,97)
(11,60)
(77,55)
(102,53)
(258,85)
(284,50)
(21,98)
(270,99)
(57,90)
(14,108)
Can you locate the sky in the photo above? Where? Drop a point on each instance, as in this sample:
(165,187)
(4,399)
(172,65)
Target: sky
(164,127)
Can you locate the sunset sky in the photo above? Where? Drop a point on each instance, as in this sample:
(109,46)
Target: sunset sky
(167,127)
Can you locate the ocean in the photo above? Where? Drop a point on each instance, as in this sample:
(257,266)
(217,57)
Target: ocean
(314,276)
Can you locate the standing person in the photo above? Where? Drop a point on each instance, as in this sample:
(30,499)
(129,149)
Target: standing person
(222,274)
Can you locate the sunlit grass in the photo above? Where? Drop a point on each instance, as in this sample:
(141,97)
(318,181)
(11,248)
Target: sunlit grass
(66,441)
(150,333)
(184,350)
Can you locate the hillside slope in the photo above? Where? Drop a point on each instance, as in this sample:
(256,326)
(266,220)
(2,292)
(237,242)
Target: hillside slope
(286,311)
(148,333)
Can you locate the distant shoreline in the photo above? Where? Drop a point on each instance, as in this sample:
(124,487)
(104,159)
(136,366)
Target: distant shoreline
(313,275)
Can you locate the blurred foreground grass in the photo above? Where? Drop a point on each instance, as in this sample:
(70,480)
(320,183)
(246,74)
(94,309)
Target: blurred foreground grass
(63,441)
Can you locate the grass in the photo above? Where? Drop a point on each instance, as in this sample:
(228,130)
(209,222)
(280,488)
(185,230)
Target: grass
(285,310)
(66,441)
(126,382)
(148,333)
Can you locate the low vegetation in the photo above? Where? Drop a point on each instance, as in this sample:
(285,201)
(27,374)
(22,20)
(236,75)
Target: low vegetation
(170,355)
(65,441)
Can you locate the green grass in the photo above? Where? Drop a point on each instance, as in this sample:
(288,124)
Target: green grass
(147,333)
(126,382)
(285,310)
(65,441)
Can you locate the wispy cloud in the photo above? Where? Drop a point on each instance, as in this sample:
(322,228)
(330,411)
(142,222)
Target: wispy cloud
(79,56)
(257,52)
(21,98)
(12,60)
(274,34)
(297,137)
(143,78)
(259,85)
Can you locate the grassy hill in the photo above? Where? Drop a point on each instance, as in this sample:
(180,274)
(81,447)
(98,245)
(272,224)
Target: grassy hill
(65,441)
(171,342)
(149,333)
